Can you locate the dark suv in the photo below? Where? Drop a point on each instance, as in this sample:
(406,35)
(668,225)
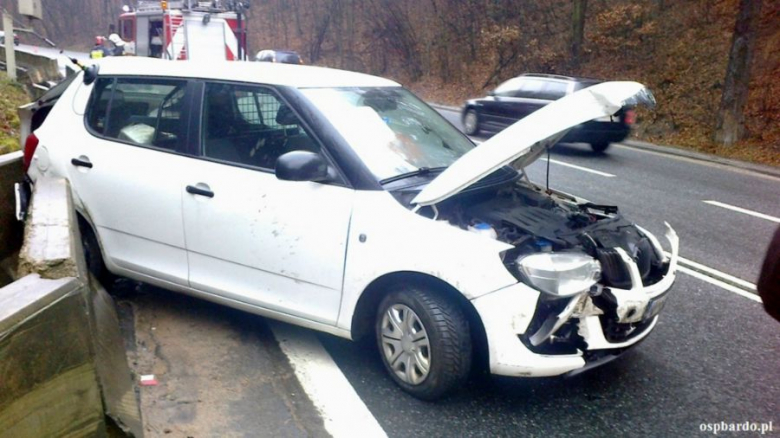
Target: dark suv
(522,95)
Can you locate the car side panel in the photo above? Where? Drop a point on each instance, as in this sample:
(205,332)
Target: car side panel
(130,195)
(275,244)
(386,238)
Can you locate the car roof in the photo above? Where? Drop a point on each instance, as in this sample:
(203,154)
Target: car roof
(587,81)
(299,76)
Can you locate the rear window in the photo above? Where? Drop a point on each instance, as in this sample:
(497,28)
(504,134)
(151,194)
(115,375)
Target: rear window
(55,92)
(146,112)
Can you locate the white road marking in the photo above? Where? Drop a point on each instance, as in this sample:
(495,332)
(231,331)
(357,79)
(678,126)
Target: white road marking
(719,283)
(573,166)
(584,169)
(342,410)
(743,210)
(716,273)
(717,278)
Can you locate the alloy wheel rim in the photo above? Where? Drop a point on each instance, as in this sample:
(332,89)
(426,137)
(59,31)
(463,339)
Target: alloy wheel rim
(405,344)
(471,121)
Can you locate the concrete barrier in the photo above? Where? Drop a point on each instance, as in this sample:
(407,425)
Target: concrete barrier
(62,361)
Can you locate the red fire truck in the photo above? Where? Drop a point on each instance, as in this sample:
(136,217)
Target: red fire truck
(186,29)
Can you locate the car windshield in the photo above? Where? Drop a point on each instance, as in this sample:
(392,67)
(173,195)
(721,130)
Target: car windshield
(392,131)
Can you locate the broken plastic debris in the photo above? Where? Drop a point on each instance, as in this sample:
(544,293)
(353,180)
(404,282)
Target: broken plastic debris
(148,380)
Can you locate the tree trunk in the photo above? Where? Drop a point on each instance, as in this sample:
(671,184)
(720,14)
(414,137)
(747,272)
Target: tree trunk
(731,118)
(577,30)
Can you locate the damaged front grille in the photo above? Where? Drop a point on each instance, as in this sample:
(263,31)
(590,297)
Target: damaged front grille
(616,332)
(613,270)
(616,273)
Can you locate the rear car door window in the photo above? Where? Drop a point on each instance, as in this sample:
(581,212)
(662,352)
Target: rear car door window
(531,89)
(250,126)
(553,90)
(141,111)
(509,88)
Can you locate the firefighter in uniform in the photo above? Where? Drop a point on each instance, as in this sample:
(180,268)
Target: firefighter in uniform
(100,50)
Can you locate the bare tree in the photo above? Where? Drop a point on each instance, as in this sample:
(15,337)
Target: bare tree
(731,119)
(577,30)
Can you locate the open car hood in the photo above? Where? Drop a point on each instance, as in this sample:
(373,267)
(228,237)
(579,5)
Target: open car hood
(528,138)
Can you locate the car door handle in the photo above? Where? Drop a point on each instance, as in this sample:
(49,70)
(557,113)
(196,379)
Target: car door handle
(198,191)
(81,163)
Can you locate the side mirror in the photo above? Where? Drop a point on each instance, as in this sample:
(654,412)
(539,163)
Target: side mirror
(301,166)
(492,93)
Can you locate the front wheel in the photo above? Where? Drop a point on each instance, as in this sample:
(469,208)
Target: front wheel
(471,122)
(599,147)
(424,341)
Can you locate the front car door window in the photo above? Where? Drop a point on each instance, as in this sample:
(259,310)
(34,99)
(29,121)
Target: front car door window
(250,126)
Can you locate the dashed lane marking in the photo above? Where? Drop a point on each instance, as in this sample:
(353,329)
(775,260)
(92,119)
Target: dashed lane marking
(744,210)
(584,169)
(561,163)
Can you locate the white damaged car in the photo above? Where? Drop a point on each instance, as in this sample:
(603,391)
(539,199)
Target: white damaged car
(343,203)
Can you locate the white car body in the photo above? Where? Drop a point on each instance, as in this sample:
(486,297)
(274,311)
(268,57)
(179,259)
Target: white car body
(306,252)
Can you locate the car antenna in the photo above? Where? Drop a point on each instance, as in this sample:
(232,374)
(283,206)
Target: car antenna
(90,72)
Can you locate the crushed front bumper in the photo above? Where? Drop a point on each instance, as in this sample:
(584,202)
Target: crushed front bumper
(507,314)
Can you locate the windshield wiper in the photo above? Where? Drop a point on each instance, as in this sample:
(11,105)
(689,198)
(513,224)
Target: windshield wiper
(418,172)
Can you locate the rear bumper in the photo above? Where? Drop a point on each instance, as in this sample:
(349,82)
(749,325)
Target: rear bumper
(507,314)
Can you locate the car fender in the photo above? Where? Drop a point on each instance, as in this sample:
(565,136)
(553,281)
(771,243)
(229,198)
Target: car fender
(387,238)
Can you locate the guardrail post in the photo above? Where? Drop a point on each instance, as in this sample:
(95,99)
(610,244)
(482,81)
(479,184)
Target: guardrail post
(10,51)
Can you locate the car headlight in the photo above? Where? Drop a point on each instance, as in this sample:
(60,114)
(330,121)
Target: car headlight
(561,274)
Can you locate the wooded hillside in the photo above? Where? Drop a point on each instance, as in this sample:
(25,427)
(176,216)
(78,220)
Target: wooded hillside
(449,50)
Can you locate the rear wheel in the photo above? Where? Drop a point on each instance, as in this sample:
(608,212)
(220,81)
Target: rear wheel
(600,147)
(424,341)
(471,122)
(92,254)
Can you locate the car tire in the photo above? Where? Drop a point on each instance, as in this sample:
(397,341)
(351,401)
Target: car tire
(93,254)
(471,122)
(424,341)
(600,147)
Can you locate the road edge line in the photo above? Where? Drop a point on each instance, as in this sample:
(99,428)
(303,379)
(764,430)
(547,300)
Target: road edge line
(341,408)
